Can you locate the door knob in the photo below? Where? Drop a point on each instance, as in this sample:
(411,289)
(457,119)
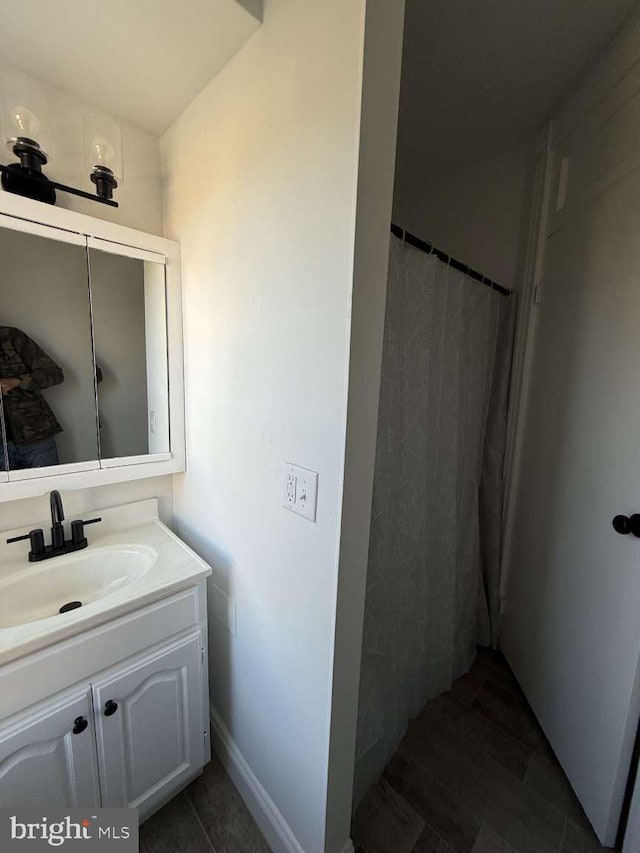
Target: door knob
(624,524)
(110,707)
(79,725)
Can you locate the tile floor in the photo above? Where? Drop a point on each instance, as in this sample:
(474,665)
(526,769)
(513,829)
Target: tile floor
(207,817)
(474,774)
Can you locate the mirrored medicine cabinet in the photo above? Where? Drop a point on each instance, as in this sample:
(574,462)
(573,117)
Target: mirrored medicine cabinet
(90,351)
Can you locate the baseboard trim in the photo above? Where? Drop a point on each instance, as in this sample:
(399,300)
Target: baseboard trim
(265,812)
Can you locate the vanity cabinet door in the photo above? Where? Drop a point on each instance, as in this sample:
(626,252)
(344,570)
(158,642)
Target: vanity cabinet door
(149,725)
(48,756)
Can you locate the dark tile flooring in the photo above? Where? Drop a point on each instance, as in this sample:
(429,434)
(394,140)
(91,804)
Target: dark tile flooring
(207,817)
(474,774)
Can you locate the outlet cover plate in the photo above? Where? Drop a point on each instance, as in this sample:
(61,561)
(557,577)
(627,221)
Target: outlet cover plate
(300,491)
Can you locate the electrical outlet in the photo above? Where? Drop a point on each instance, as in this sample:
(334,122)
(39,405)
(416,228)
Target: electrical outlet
(300,491)
(290,489)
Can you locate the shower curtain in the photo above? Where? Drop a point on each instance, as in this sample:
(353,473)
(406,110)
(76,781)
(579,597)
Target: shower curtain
(434,552)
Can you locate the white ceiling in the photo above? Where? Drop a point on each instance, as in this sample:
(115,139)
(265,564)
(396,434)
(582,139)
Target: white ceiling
(480,76)
(141,60)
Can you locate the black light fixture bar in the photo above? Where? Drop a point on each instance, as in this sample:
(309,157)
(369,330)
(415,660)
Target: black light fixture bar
(54,185)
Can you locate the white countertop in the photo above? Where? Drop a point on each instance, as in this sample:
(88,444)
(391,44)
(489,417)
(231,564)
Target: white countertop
(176,567)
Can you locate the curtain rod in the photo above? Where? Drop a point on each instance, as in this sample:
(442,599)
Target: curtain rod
(430,249)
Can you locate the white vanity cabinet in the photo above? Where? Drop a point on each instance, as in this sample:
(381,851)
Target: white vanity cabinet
(48,755)
(148,724)
(129,725)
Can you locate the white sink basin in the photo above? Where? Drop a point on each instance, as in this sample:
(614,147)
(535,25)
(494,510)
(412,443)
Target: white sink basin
(41,589)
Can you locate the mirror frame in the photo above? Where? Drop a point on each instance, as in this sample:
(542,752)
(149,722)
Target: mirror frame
(28,216)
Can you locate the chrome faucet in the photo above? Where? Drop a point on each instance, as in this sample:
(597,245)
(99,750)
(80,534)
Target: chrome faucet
(59,545)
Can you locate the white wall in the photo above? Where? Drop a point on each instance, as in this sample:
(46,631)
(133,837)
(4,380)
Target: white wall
(267,229)
(83,501)
(140,207)
(267,226)
(381,87)
(476,215)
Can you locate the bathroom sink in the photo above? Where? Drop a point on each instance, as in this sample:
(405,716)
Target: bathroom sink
(40,590)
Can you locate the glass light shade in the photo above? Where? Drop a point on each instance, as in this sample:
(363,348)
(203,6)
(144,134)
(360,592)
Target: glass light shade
(103,152)
(25,111)
(103,144)
(25,122)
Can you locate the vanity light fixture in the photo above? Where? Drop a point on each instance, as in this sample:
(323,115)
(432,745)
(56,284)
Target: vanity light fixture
(102,172)
(103,153)
(26,177)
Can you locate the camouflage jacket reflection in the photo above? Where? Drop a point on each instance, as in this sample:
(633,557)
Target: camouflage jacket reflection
(27,414)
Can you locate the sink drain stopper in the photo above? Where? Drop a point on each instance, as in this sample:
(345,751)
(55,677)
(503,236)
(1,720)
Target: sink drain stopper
(72,605)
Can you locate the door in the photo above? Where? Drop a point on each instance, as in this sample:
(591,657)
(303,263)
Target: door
(149,725)
(48,756)
(571,628)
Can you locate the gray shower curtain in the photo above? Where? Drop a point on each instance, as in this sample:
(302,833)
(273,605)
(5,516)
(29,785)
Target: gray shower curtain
(434,551)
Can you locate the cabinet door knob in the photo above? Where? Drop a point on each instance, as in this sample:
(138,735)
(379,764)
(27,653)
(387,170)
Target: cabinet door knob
(624,525)
(110,707)
(79,725)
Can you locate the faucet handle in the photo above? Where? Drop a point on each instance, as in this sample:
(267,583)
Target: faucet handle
(36,537)
(19,538)
(77,530)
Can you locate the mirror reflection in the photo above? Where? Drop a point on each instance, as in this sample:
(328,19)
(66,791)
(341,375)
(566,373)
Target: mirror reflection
(46,368)
(130,340)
